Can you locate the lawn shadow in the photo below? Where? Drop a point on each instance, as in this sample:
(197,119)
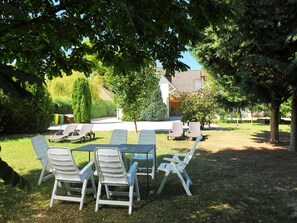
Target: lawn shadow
(264,136)
(234,183)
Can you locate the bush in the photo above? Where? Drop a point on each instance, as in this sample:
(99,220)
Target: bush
(102,108)
(81,101)
(63,105)
(26,115)
(201,106)
(62,86)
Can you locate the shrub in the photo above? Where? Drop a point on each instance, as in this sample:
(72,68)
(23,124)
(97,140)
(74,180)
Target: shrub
(102,108)
(81,100)
(26,115)
(201,106)
(63,105)
(62,86)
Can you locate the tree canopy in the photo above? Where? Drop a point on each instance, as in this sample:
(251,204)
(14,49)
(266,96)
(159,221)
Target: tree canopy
(46,37)
(255,50)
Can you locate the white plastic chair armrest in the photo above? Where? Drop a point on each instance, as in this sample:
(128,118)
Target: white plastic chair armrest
(132,174)
(177,154)
(173,159)
(87,170)
(181,154)
(132,169)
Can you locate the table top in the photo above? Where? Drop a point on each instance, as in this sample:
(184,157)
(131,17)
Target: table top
(124,148)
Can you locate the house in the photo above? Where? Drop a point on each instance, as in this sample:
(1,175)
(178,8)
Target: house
(181,82)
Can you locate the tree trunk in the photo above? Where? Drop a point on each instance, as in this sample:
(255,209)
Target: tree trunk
(293,138)
(274,123)
(135,124)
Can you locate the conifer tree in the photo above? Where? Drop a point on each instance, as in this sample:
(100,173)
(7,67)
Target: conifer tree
(81,100)
(156,109)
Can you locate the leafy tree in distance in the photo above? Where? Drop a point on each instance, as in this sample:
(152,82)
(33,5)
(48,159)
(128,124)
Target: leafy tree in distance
(201,106)
(81,101)
(133,90)
(156,109)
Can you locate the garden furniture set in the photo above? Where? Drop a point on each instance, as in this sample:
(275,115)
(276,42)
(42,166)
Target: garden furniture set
(111,168)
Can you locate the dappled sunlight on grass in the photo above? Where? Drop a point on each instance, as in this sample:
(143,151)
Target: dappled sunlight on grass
(237,177)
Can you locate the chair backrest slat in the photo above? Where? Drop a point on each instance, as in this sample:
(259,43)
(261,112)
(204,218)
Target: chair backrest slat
(40,146)
(177,127)
(119,136)
(194,126)
(69,129)
(147,137)
(191,153)
(110,166)
(63,164)
(86,128)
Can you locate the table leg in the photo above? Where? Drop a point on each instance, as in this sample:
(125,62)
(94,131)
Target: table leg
(155,159)
(147,174)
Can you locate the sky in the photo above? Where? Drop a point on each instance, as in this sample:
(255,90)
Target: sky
(189,60)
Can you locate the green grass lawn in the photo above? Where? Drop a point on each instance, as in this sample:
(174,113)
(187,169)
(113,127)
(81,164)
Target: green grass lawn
(237,177)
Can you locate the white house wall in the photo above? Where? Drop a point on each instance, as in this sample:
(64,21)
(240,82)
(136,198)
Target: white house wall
(164,86)
(188,81)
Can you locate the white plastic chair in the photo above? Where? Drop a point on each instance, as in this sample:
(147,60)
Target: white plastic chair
(146,137)
(84,132)
(62,134)
(194,129)
(177,166)
(40,146)
(118,136)
(66,171)
(176,131)
(112,172)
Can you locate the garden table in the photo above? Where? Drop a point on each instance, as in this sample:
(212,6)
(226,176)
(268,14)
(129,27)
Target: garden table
(123,148)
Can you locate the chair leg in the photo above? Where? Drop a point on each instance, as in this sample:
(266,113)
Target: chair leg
(54,193)
(153,172)
(188,180)
(83,194)
(41,175)
(98,196)
(131,191)
(107,191)
(184,183)
(163,183)
(93,185)
(137,188)
(155,163)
